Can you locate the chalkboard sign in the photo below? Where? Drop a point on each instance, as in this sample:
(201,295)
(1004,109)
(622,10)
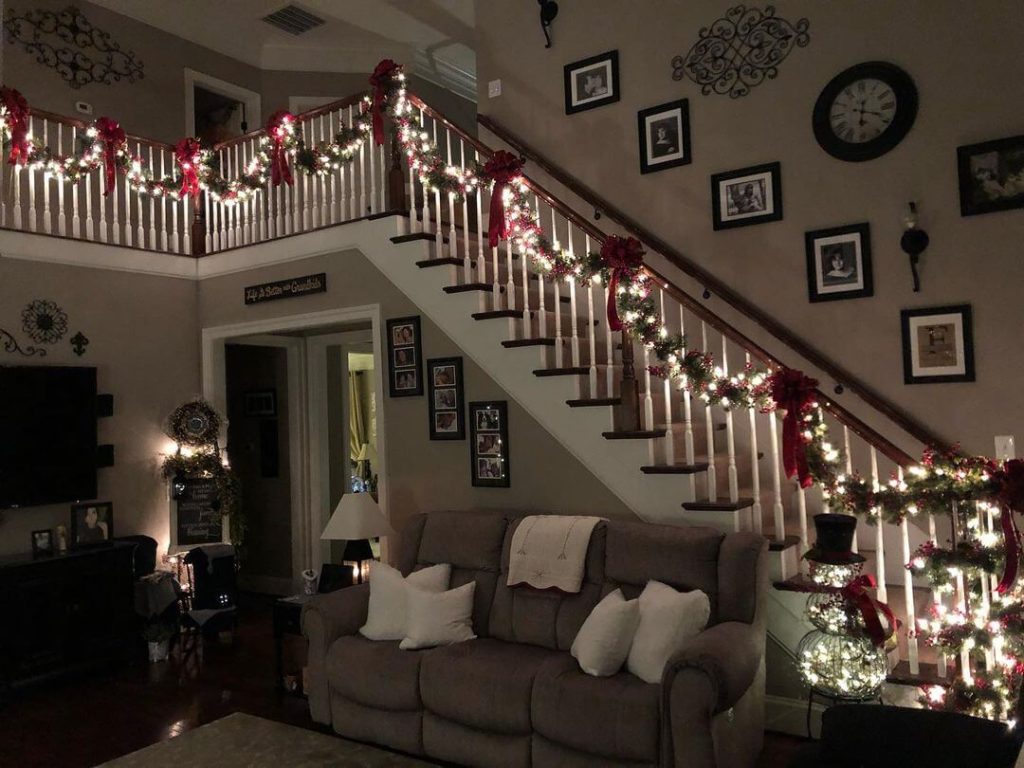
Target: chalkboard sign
(196,522)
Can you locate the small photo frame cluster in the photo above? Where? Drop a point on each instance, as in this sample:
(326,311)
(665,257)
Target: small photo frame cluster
(92,523)
(664,135)
(447,399)
(938,344)
(405,357)
(488,449)
(746,196)
(592,82)
(839,263)
(991,176)
(42,543)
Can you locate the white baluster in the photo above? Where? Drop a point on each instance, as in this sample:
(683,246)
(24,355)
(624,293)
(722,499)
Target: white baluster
(152,205)
(62,223)
(90,225)
(237,210)
(542,317)
(467,271)
(609,345)
(32,213)
(16,182)
(47,215)
(879,533)
(670,438)
(648,420)
(556,298)
(688,445)
(310,204)
(163,210)
(331,210)
(426,192)
(849,472)
(414,223)
(115,214)
(322,181)
(372,152)
(591,334)
(574,340)
(481,260)
(755,467)
(186,217)
(801,508)
(175,232)
(936,596)
(210,233)
(527,329)
(709,427)
(76,219)
(778,512)
(363,202)
(908,593)
(730,435)
(963,604)
(140,225)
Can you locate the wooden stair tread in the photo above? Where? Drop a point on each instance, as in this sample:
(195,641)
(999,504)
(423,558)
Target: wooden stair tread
(413,237)
(536,342)
(469,287)
(495,314)
(928,674)
(780,545)
(642,434)
(445,262)
(705,505)
(675,469)
(588,402)
(580,370)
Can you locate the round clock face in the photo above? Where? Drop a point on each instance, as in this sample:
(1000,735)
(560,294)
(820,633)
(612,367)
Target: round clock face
(865,111)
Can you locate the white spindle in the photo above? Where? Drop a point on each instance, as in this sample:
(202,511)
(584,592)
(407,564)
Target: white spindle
(140,224)
(426,192)
(778,512)
(527,330)
(801,508)
(322,181)
(688,446)
(730,435)
(592,334)
(47,214)
(186,215)
(574,341)
(62,224)
(208,224)
(879,533)
(849,471)
(373,177)
(964,606)
(308,187)
(90,225)
(363,202)
(755,468)
(115,213)
(414,224)
(542,316)
(32,213)
(467,268)
(481,260)
(163,211)
(908,593)
(382,186)
(152,205)
(76,218)
(709,427)
(556,297)
(609,345)
(175,234)
(666,387)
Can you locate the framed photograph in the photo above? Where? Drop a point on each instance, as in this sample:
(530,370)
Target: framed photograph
(938,346)
(447,399)
(991,176)
(839,263)
(488,444)
(42,543)
(664,136)
(260,403)
(747,196)
(592,82)
(405,356)
(92,523)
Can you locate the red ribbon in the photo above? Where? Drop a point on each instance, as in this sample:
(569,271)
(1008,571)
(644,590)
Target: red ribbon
(793,392)
(17,119)
(856,592)
(187,152)
(279,169)
(501,169)
(113,137)
(381,78)
(1010,496)
(623,256)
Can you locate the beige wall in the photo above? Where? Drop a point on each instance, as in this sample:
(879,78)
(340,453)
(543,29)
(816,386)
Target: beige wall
(143,340)
(424,475)
(154,107)
(961,55)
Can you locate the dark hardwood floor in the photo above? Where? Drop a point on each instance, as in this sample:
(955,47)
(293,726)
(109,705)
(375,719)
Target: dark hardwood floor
(84,721)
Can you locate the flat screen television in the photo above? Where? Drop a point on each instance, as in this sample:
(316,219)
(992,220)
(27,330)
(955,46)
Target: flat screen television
(47,435)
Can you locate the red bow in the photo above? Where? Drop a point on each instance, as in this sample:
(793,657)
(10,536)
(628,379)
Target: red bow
(381,78)
(113,137)
(870,608)
(188,152)
(501,169)
(1011,497)
(276,128)
(17,119)
(623,256)
(793,392)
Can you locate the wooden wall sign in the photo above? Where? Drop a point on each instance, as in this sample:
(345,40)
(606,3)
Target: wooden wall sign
(286,289)
(195,521)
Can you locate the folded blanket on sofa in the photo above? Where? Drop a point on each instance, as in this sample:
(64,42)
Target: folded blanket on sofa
(550,551)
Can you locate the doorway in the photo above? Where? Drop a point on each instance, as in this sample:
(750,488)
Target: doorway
(216,110)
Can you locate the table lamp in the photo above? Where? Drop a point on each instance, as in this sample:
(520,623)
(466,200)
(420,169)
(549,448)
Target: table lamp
(356,520)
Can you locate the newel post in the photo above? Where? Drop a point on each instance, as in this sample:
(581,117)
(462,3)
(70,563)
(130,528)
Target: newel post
(198,231)
(396,177)
(629,411)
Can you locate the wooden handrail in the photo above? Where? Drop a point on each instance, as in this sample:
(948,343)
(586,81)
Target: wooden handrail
(53,117)
(841,376)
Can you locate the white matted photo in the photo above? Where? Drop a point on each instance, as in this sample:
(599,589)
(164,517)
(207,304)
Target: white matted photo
(839,263)
(664,136)
(592,82)
(445,399)
(937,344)
(747,196)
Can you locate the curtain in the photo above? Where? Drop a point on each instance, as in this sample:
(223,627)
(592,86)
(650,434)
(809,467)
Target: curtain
(356,417)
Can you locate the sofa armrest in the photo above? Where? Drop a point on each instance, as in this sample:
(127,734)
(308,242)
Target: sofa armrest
(325,618)
(726,657)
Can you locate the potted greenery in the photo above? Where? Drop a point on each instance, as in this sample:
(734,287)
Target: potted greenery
(157,635)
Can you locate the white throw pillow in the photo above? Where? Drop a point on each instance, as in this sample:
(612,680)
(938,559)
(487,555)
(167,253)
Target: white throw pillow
(602,644)
(388,609)
(668,619)
(439,618)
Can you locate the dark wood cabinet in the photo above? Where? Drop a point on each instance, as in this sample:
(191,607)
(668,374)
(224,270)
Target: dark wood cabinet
(64,612)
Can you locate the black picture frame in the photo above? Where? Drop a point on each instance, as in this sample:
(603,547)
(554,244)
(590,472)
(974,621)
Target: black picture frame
(914,372)
(404,336)
(1002,157)
(488,444)
(759,178)
(84,534)
(42,543)
(850,243)
(651,118)
(260,403)
(609,60)
(446,399)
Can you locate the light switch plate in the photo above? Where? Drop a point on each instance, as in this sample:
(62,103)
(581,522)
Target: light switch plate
(1005,448)
(83,107)
(494,89)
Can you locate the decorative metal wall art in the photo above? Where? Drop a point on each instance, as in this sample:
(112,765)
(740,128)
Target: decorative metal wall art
(10,344)
(78,343)
(67,42)
(740,50)
(44,321)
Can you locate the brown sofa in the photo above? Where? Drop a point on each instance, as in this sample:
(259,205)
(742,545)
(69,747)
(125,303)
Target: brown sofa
(514,696)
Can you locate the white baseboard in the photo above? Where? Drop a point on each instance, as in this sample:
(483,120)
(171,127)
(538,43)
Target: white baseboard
(784,715)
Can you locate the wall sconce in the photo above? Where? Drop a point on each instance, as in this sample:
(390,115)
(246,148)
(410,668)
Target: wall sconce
(548,11)
(913,243)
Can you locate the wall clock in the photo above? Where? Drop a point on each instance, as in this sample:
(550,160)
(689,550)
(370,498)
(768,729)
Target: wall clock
(865,111)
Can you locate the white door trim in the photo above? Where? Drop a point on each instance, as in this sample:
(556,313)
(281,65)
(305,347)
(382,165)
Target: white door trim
(214,390)
(251,99)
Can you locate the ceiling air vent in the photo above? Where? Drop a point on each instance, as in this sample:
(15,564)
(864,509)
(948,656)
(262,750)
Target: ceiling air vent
(293,20)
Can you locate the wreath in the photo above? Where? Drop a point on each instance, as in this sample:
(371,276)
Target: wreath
(195,424)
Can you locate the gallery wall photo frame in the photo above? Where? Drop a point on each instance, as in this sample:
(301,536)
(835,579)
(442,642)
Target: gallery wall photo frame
(990,175)
(938,344)
(663,136)
(746,196)
(488,444)
(405,357)
(92,522)
(446,399)
(839,263)
(591,82)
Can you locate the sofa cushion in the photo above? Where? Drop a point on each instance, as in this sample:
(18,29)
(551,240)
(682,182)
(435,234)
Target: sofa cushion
(484,683)
(375,673)
(616,717)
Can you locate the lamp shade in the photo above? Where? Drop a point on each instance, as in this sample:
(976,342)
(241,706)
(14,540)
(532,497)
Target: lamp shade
(357,516)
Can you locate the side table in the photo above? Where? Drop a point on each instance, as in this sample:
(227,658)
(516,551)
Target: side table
(287,621)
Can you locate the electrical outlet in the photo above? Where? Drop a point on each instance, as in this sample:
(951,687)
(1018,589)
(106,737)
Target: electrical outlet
(494,89)
(1005,448)
(83,107)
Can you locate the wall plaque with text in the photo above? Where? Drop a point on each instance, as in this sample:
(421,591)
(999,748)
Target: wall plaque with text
(286,289)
